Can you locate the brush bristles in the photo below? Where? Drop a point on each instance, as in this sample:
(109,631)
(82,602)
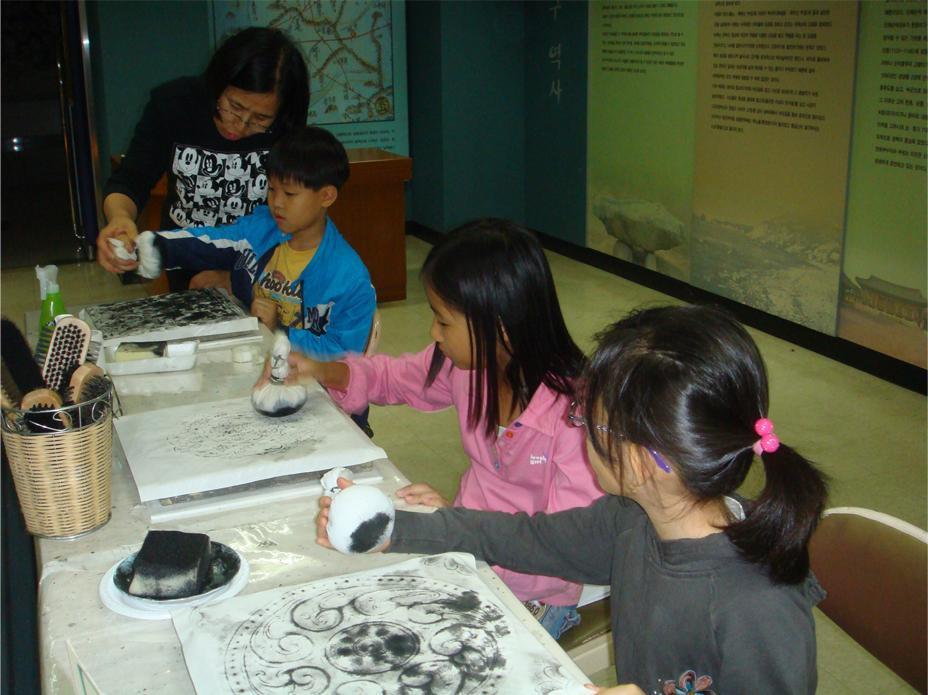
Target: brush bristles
(93,388)
(85,383)
(68,348)
(44,414)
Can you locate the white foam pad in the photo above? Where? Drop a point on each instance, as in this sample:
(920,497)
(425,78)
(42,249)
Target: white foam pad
(149,256)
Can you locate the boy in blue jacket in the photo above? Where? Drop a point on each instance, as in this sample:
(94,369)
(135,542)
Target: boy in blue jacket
(288,261)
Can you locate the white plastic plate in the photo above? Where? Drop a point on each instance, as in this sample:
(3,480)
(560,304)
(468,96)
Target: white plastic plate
(119,601)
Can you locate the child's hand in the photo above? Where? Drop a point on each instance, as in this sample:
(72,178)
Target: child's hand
(124,229)
(627,689)
(322,519)
(212,278)
(422,493)
(266,311)
(302,368)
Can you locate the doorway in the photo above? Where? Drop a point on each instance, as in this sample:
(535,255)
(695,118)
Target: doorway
(40,215)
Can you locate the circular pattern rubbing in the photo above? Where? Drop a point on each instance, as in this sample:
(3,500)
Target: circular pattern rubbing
(385,634)
(372,648)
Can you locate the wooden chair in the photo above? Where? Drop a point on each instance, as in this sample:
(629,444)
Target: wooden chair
(589,645)
(875,569)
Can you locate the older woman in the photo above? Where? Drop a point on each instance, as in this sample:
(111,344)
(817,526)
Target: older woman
(210,134)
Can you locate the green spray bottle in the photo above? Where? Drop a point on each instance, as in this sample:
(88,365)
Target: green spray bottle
(52,306)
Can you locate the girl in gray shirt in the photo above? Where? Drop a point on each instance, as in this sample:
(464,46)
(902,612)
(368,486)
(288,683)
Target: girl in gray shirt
(709,594)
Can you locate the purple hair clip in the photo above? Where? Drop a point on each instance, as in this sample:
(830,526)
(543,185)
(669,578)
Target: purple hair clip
(660,461)
(768,442)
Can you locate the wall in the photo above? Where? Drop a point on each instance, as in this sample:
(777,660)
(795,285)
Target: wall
(749,148)
(136,46)
(467,122)
(498,113)
(555,118)
(425,195)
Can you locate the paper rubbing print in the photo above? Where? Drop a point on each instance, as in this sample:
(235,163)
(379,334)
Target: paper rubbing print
(173,316)
(429,626)
(215,445)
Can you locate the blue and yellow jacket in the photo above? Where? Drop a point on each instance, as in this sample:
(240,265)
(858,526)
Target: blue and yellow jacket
(338,299)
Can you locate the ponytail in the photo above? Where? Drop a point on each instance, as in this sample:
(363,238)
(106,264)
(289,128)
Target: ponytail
(689,382)
(781,520)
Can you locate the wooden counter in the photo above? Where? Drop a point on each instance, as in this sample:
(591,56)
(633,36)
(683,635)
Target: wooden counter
(371,214)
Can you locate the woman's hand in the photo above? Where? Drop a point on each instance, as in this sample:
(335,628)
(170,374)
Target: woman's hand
(627,689)
(121,227)
(266,311)
(422,493)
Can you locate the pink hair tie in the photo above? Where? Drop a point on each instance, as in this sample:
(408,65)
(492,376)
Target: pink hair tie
(768,441)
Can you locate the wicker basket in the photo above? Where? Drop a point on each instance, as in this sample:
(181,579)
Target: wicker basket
(63,478)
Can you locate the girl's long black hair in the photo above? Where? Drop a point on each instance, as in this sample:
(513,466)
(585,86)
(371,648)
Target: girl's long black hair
(689,382)
(496,274)
(263,60)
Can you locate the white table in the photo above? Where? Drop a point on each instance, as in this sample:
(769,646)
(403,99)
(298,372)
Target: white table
(87,648)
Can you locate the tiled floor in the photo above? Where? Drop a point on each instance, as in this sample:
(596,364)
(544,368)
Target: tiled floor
(868,435)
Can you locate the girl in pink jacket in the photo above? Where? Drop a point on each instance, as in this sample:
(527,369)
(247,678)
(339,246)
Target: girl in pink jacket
(504,359)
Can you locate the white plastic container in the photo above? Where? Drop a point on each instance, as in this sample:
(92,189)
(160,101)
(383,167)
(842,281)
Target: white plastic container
(177,357)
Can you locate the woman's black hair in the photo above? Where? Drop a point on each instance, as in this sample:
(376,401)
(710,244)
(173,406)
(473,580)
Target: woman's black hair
(690,383)
(263,60)
(495,273)
(310,156)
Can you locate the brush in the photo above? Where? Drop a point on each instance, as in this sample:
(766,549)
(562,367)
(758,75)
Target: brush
(67,349)
(12,415)
(41,345)
(45,340)
(10,388)
(96,346)
(5,399)
(86,383)
(21,374)
(43,411)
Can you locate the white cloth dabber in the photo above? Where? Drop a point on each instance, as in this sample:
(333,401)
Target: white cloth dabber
(146,253)
(276,398)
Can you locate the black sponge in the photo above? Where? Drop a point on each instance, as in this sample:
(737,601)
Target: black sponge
(171,564)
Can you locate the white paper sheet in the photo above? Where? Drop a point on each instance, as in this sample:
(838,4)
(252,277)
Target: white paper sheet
(215,445)
(428,625)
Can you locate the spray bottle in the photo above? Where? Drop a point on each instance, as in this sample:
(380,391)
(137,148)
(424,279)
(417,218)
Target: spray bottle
(52,305)
(50,293)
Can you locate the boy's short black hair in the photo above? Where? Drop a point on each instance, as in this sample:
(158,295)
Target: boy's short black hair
(310,156)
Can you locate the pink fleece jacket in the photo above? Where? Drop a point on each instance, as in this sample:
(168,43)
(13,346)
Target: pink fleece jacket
(538,464)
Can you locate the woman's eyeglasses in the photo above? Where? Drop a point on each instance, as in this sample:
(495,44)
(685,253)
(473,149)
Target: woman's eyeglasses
(577,420)
(233,117)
